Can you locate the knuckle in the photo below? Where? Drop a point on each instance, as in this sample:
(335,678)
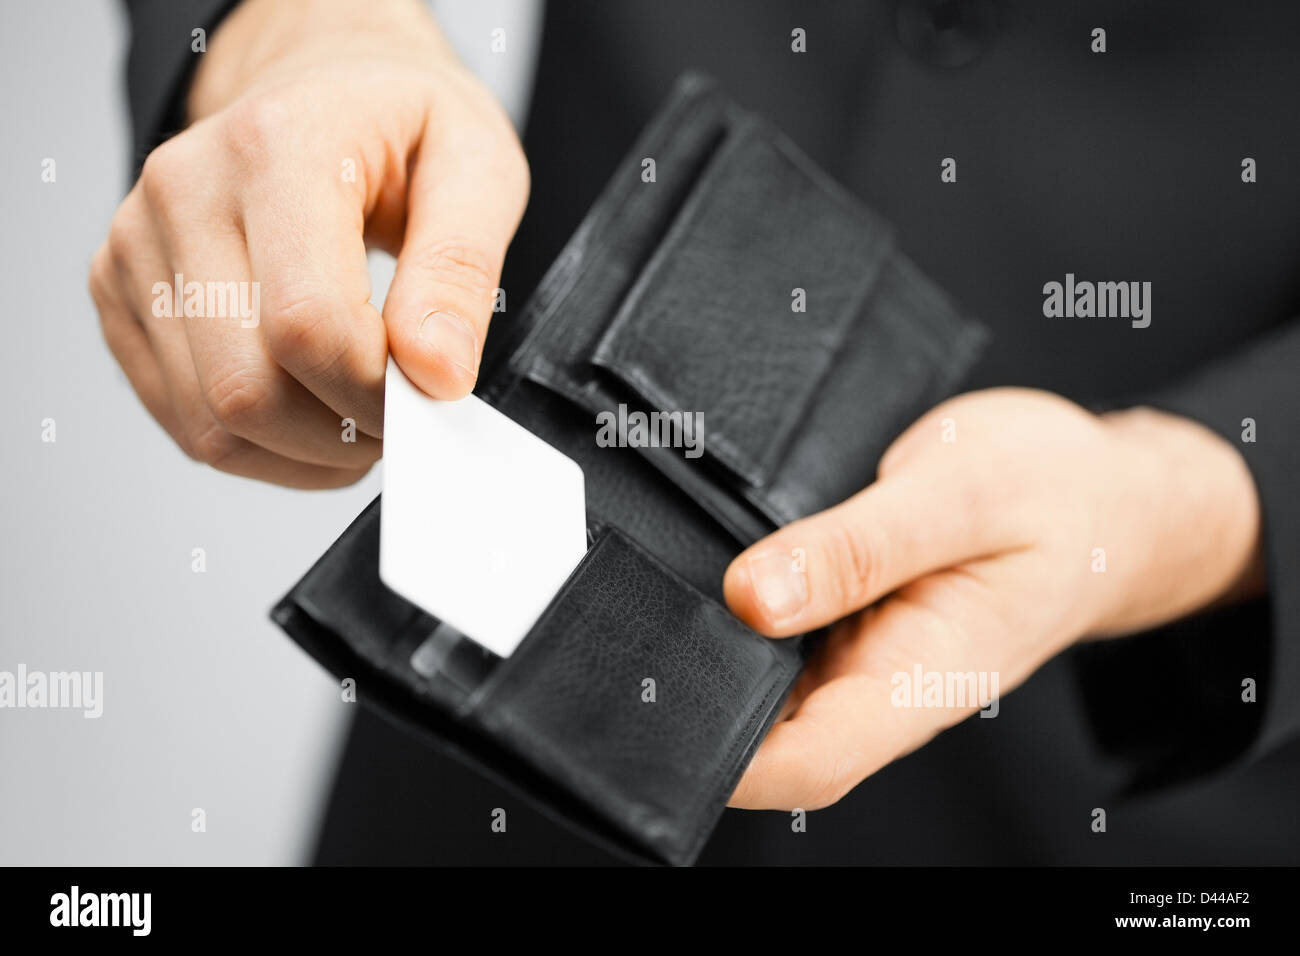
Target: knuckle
(253,126)
(99,280)
(855,562)
(238,400)
(301,332)
(167,174)
(463,265)
(123,241)
(211,444)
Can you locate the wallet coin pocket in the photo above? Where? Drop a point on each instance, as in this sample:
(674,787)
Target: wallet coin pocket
(639,693)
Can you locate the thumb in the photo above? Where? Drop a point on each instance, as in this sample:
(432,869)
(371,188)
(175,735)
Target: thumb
(467,193)
(824,567)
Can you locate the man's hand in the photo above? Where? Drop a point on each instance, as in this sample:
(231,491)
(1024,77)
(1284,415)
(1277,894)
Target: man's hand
(1004,526)
(318,127)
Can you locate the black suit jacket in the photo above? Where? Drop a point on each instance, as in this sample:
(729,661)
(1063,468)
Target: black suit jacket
(1122,165)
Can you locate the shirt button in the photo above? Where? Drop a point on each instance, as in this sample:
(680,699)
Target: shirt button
(946,33)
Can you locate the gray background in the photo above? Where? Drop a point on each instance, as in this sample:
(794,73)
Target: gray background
(206,703)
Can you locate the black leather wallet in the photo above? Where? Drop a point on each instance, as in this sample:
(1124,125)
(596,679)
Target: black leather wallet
(681,291)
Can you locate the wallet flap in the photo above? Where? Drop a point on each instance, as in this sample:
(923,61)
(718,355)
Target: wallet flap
(748,298)
(910,351)
(746,295)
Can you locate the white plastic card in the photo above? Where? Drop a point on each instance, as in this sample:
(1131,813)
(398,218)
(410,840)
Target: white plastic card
(482,521)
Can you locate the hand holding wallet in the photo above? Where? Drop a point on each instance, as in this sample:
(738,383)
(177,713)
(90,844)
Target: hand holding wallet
(635,702)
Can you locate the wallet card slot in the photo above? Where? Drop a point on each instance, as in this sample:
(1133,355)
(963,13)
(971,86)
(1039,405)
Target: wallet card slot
(555,336)
(728,294)
(665,518)
(388,645)
(640,694)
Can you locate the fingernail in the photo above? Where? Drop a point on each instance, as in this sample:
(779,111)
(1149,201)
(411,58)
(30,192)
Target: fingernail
(452,337)
(778,586)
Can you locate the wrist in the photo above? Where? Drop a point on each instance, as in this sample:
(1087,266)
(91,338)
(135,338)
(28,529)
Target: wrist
(1191,521)
(262,39)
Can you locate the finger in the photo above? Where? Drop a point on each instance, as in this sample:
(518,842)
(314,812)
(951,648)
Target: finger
(142,272)
(307,254)
(822,568)
(129,345)
(856,722)
(810,761)
(249,461)
(248,393)
(466,196)
(139,267)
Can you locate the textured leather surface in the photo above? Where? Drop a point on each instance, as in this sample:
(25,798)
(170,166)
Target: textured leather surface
(572,700)
(342,615)
(697,271)
(907,353)
(690,337)
(674,295)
